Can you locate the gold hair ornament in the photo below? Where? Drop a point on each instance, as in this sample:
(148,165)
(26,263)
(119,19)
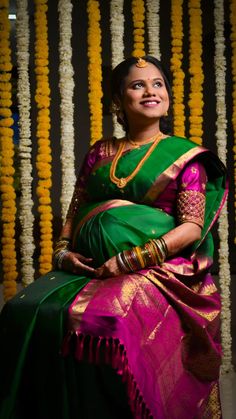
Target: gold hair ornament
(141,63)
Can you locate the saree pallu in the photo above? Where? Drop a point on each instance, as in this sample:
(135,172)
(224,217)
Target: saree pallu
(156,330)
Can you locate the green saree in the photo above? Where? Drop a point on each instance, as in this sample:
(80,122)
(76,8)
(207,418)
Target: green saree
(144,329)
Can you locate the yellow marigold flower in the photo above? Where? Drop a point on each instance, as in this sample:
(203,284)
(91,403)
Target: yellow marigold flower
(5,67)
(45,183)
(5,86)
(44,209)
(196,132)
(11,276)
(8,240)
(45,258)
(47,237)
(7,161)
(46,224)
(8,218)
(138,31)
(44,200)
(7,170)
(6,122)
(6,180)
(5,95)
(46,217)
(10,232)
(138,53)
(45,251)
(42,134)
(5,103)
(5,112)
(42,70)
(46,230)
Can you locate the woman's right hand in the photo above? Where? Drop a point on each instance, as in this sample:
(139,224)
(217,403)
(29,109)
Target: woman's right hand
(77,264)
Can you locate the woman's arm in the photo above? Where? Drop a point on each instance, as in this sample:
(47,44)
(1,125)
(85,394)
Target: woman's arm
(182,236)
(64,257)
(190,210)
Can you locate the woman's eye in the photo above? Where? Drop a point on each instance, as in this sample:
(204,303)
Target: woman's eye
(138,85)
(158,84)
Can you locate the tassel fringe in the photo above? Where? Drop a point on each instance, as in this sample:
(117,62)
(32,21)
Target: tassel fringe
(99,350)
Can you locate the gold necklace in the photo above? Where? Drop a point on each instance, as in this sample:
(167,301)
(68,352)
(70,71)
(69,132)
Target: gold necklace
(139,143)
(122,182)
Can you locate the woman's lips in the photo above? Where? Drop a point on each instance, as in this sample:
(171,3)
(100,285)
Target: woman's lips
(150,103)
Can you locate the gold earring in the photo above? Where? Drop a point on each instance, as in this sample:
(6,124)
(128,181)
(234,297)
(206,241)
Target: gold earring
(166,113)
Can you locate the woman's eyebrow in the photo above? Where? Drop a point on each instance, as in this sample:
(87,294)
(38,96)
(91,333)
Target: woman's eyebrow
(138,80)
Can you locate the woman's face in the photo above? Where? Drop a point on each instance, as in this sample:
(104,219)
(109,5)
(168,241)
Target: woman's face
(145,96)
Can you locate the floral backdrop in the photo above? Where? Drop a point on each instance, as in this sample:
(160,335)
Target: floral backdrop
(62,52)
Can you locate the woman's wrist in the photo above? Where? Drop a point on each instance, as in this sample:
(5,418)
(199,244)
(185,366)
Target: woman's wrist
(154,252)
(62,248)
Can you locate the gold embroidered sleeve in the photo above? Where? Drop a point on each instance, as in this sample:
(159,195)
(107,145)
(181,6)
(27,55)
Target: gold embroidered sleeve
(191,207)
(78,198)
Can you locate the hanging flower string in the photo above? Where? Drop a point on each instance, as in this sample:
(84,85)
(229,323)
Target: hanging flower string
(117,45)
(25,147)
(66,85)
(176,67)
(196,71)
(8,195)
(138,12)
(233,69)
(94,70)
(44,158)
(153,27)
(223,227)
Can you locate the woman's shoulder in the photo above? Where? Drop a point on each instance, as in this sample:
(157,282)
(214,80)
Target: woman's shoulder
(103,147)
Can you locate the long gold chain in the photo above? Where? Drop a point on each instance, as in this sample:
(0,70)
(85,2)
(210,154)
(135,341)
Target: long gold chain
(122,182)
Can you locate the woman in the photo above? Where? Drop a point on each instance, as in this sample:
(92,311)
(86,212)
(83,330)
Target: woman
(133,288)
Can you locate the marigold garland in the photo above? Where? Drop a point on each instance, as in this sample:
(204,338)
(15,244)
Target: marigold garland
(117,21)
(153,27)
(25,148)
(233,69)
(94,70)
(176,67)
(66,85)
(221,141)
(7,171)
(43,164)
(138,13)
(196,71)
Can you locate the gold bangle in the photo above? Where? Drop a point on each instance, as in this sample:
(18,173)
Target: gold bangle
(137,249)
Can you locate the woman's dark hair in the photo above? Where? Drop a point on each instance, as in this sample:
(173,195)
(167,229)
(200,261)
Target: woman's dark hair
(118,76)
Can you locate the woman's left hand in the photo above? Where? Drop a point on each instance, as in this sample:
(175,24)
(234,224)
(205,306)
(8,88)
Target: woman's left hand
(108,269)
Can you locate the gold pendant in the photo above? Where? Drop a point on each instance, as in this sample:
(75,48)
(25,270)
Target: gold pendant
(122,183)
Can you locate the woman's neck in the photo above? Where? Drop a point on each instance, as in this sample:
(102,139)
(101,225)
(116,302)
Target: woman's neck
(142,135)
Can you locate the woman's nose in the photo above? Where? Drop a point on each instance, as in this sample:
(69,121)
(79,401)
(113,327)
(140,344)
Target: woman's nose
(149,90)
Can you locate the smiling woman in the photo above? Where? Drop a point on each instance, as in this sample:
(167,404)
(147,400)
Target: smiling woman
(131,304)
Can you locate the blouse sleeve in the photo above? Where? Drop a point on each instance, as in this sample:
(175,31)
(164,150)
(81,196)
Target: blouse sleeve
(80,194)
(191,194)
